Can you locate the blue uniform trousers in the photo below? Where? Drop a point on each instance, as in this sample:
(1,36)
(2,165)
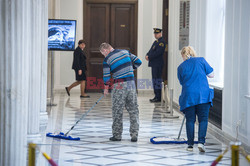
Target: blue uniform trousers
(157,80)
(202,111)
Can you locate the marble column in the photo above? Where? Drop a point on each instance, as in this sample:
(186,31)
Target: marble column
(14,81)
(34,98)
(44,59)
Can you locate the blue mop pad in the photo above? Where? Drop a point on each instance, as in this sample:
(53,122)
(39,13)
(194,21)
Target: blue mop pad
(62,136)
(166,140)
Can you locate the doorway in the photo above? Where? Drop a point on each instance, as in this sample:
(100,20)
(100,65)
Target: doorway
(111,22)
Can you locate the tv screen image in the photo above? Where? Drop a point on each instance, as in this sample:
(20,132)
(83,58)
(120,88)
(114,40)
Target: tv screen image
(61,34)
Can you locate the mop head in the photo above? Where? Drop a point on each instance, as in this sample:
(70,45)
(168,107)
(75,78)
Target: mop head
(166,140)
(62,136)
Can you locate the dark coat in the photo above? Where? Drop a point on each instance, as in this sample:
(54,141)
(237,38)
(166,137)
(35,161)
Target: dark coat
(155,54)
(79,61)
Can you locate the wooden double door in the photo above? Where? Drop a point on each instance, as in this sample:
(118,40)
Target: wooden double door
(112,22)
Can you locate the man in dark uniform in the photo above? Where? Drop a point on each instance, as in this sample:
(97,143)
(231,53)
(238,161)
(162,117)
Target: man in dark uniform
(155,58)
(79,65)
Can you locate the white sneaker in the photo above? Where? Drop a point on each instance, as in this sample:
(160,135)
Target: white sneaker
(201,147)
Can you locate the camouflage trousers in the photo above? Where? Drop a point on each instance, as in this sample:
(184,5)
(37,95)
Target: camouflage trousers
(124,95)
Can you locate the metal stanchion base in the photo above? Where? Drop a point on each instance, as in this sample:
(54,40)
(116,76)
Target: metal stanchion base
(51,104)
(167,110)
(171,116)
(160,107)
(162,110)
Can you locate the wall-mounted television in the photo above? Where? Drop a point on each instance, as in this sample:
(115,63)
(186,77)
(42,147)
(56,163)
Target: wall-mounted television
(61,35)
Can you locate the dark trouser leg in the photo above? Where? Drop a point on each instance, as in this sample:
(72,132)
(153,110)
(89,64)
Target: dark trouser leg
(190,120)
(202,111)
(153,80)
(157,80)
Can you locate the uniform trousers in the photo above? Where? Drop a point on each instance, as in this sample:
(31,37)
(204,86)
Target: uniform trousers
(157,80)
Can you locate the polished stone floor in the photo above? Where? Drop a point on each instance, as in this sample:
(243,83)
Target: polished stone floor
(95,149)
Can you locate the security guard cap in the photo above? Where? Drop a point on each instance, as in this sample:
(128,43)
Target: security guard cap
(157,30)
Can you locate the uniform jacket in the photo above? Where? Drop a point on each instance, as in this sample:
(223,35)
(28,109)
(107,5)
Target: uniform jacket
(79,61)
(155,54)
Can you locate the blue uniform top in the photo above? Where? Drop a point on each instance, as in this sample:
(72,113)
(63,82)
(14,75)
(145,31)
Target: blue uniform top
(192,75)
(155,54)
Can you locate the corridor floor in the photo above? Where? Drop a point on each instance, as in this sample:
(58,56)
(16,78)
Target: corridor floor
(94,148)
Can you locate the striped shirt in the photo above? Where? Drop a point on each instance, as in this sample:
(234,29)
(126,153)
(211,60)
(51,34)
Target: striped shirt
(121,64)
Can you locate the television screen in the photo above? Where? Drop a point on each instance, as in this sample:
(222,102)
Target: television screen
(61,35)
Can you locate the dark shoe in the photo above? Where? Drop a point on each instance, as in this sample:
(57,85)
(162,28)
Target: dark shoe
(114,139)
(155,100)
(134,139)
(84,96)
(152,99)
(66,88)
(190,148)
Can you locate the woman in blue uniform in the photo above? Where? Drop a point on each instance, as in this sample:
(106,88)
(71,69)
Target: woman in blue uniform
(196,96)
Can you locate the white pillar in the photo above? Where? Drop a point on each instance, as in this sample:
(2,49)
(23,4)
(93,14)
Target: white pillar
(235,109)
(44,59)
(35,73)
(14,81)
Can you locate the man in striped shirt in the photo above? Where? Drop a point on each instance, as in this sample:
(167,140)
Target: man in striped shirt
(121,64)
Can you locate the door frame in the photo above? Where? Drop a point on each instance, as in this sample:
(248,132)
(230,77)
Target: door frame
(135,2)
(85,27)
(165,27)
(112,1)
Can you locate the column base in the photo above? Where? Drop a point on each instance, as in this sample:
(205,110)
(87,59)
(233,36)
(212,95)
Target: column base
(43,121)
(34,138)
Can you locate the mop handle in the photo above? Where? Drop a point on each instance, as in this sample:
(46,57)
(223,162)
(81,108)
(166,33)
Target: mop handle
(84,115)
(181,127)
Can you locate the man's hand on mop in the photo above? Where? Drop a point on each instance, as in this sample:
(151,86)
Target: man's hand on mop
(106,90)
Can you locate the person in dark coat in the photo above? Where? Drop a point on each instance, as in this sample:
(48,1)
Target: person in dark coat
(156,62)
(79,65)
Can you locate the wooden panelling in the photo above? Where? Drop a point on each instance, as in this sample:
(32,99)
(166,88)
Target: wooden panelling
(215,114)
(165,36)
(114,23)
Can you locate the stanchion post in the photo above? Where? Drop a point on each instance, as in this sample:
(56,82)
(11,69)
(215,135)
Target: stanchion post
(166,106)
(171,116)
(32,154)
(171,92)
(162,94)
(166,99)
(235,153)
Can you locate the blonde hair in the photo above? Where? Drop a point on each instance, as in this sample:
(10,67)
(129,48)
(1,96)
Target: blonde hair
(187,52)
